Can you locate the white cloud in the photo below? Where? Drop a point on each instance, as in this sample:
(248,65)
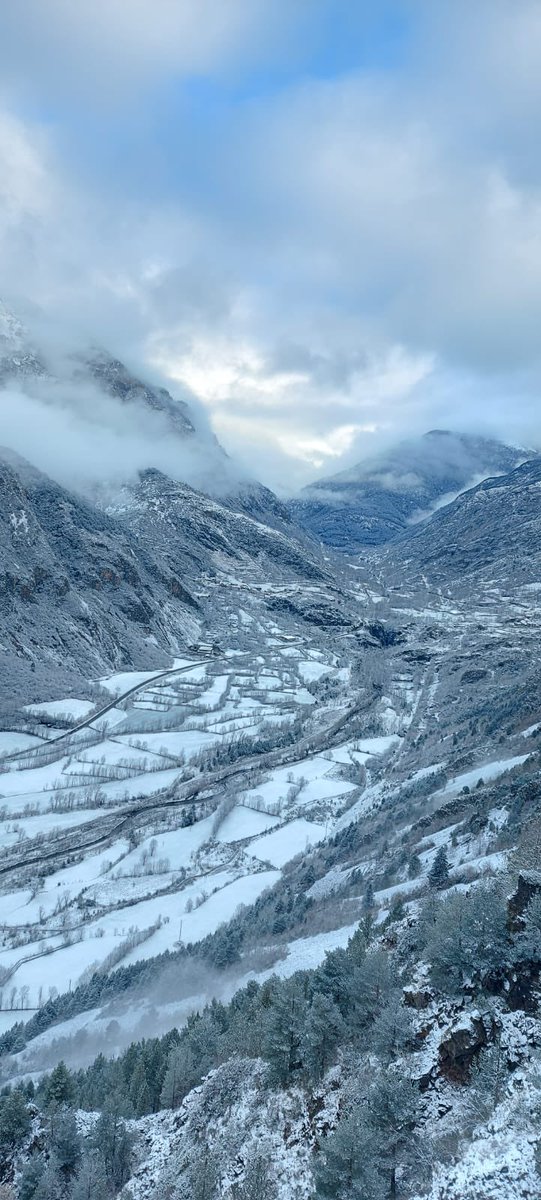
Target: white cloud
(341,260)
(106,50)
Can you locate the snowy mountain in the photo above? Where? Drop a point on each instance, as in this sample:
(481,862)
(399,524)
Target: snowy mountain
(492,531)
(129,423)
(85,590)
(109,570)
(27,352)
(79,592)
(374,502)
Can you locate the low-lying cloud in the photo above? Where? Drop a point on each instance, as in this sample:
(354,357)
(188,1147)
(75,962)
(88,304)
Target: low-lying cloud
(85,439)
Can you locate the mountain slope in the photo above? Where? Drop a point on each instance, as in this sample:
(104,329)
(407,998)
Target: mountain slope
(170,435)
(23,355)
(375,501)
(78,592)
(491,533)
(83,590)
(190,528)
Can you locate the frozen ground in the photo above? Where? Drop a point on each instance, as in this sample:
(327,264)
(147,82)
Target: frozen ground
(177,874)
(283,844)
(13,742)
(70,707)
(486,771)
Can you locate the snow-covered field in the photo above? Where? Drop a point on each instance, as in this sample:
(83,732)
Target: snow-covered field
(70,707)
(178,874)
(283,844)
(484,773)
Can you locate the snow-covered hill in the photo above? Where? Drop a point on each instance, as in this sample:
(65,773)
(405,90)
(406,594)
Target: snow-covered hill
(374,502)
(490,534)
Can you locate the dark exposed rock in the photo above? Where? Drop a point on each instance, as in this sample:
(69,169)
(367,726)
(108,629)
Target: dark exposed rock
(418,997)
(384,634)
(324,615)
(462,1043)
(416,656)
(474,675)
(528,886)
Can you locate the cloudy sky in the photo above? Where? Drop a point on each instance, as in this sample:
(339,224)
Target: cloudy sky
(321,216)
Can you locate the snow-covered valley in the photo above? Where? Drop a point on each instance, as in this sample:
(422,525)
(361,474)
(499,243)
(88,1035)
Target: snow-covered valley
(270,819)
(145,823)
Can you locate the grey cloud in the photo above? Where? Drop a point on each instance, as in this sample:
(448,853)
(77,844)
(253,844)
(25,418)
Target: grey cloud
(357,254)
(105,52)
(190,295)
(84,439)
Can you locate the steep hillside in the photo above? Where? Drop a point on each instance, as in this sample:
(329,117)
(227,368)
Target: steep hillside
(79,593)
(491,534)
(27,355)
(85,590)
(374,502)
(114,569)
(100,392)
(194,530)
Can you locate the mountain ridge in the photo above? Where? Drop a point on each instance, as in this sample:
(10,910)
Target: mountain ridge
(374,502)
(492,527)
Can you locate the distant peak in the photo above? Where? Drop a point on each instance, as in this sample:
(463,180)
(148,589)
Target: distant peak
(12,331)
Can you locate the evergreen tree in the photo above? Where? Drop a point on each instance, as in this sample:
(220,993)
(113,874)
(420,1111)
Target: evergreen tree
(374,982)
(414,867)
(438,875)
(181,1076)
(155,1060)
(469,937)
(205,1032)
(50,1186)
(356,947)
(15,1120)
(114,1142)
(59,1089)
(346,1168)
(392,1104)
(224,950)
(397,910)
(65,1143)
(91,1182)
(323,1030)
(139,1090)
(335,978)
(203,1176)
(392,1030)
(31,1175)
(283,1039)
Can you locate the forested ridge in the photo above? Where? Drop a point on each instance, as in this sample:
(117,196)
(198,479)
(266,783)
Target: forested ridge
(358,1012)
